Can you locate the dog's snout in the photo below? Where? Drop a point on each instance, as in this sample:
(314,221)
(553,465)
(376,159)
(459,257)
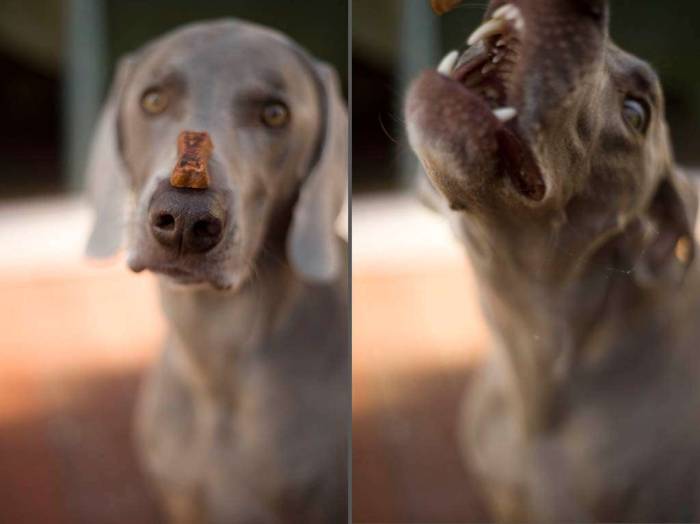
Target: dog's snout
(187,221)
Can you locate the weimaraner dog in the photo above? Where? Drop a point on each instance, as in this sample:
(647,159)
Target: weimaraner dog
(548,145)
(221,158)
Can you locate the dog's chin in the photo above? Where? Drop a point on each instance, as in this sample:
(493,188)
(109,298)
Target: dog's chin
(196,283)
(218,281)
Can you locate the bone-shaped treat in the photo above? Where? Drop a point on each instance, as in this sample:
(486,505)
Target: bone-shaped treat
(193,151)
(443,6)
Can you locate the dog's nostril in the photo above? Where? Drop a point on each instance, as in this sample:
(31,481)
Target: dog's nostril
(203,234)
(207,228)
(165,221)
(166,228)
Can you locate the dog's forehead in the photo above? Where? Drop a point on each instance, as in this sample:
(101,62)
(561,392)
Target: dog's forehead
(230,48)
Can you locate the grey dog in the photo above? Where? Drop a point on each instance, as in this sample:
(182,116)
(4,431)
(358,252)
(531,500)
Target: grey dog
(244,418)
(549,148)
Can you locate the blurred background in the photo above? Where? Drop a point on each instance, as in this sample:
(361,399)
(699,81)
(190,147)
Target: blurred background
(75,336)
(417,328)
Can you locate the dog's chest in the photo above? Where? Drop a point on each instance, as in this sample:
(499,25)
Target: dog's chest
(612,457)
(260,444)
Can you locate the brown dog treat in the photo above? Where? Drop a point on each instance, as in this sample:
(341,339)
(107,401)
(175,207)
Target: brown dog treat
(443,6)
(193,151)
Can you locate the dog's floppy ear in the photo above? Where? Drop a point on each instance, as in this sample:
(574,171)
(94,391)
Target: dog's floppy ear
(107,183)
(312,240)
(673,211)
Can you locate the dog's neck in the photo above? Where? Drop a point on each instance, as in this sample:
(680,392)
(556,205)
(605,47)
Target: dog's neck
(218,333)
(553,333)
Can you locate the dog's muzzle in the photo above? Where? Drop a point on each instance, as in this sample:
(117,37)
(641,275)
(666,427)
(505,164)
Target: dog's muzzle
(186,221)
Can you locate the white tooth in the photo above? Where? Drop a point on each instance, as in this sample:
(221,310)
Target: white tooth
(505,113)
(514,14)
(447,63)
(501,42)
(511,13)
(489,28)
(505,12)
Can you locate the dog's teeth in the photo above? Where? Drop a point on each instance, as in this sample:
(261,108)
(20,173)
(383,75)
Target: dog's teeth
(447,63)
(487,29)
(506,11)
(505,113)
(512,14)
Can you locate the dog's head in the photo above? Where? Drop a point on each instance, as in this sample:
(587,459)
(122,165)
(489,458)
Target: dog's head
(225,140)
(551,142)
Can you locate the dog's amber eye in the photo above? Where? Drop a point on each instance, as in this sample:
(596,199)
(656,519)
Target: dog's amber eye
(275,114)
(636,114)
(154,101)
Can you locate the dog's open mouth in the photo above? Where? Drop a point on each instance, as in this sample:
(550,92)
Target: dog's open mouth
(487,69)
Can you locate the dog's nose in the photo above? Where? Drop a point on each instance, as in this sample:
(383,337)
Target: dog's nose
(187,220)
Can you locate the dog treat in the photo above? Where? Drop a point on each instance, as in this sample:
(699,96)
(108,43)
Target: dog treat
(443,6)
(193,151)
